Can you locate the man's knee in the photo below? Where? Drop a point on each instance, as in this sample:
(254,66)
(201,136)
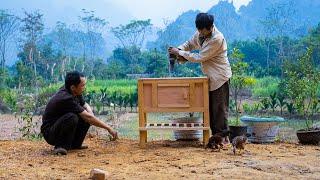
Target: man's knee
(71,119)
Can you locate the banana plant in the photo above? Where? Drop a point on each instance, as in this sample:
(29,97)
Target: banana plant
(103,97)
(126,100)
(120,99)
(133,100)
(281,102)
(265,103)
(290,107)
(90,98)
(273,101)
(113,99)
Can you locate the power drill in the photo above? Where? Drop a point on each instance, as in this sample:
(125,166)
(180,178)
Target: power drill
(173,58)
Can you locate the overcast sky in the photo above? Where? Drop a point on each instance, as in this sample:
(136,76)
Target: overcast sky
(115,11)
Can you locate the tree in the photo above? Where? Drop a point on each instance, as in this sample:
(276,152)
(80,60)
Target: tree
(157,63)
(32,29)
(313,40)
(278,22)
(131,37)
(64,41)
(8,27)
(301,83)
(239,79)
(115,69)
(132,34)
(94,27)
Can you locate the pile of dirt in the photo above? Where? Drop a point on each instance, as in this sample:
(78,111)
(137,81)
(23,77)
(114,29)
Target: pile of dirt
(160,160)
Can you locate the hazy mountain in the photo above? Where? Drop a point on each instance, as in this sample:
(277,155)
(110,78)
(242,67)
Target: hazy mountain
(259,18)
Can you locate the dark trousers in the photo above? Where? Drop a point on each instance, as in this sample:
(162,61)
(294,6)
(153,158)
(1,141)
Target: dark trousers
(219,108)
(67,132)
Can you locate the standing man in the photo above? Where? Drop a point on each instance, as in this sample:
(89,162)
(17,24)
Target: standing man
(215,65)
(67,117)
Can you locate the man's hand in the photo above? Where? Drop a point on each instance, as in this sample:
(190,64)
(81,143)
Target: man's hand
(173,50)
(114,134)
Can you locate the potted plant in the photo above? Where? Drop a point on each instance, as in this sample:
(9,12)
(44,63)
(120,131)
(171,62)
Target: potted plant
(262,128)
(311,134)
(302,82)
(239,82)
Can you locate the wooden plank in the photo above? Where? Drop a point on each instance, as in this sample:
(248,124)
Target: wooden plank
(143,138)
(142,116)
(147,95)
(206,135)
(174,96)
(143,133)
(206,117)
(174,78)
(206,129)
(176,109)
(173,85)
(174,124)
(192,94)
(173,81)
(154,95)
(141,104)
(199,100)
(173,105)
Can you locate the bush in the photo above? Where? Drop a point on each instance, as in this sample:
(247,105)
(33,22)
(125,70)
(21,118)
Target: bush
(46,93)
(9,97)
(27,122)
(265,86)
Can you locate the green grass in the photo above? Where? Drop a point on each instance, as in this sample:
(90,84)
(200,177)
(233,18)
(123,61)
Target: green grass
(122,86)
(265,86)
(9,97)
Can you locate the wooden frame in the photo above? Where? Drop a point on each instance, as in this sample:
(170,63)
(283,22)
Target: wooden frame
(173,95)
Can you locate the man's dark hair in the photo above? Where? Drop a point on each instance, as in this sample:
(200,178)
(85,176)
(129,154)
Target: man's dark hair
(204,20)
(72,78)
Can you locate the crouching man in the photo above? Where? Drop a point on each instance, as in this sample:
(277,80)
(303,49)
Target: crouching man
(67,117)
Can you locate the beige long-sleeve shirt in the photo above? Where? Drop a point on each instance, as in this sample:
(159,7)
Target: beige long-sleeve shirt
(212,56)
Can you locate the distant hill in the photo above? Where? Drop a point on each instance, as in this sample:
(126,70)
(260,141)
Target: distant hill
(259,18)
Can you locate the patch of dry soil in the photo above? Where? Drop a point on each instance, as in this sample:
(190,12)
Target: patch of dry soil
(123,159)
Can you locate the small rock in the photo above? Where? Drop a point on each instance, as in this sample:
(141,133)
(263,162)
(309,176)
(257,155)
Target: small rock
(98,174)
(193,171)
(81,155)
(105,162)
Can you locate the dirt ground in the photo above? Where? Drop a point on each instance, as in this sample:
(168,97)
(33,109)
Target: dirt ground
(123,159)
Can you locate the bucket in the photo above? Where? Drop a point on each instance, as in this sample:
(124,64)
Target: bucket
(187,135)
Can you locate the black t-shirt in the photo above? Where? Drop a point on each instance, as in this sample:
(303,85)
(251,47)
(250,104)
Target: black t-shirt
(60,104)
